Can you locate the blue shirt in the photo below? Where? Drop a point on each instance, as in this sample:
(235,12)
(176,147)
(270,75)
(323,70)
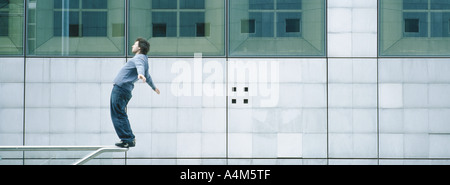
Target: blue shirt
(129,73)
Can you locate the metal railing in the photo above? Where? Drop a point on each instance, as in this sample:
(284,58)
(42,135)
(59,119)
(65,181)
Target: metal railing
(97,150)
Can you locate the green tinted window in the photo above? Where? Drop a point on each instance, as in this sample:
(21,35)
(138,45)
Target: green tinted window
(414,28)
(179,27)
(277,27)
(76,27)
(11,27)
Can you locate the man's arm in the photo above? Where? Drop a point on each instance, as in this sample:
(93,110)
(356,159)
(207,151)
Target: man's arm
(150,81)
(147,78)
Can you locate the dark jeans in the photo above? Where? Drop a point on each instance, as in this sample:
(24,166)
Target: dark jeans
(118,103)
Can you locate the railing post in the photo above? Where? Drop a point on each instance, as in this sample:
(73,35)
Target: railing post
(98,152)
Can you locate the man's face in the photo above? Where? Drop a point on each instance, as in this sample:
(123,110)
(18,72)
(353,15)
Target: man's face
(135,48)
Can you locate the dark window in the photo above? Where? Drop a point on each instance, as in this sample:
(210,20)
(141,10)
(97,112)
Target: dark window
(200,30)
(4,22)
(159,30)
(292,25)
(248,26)
(412,25)
(74,30)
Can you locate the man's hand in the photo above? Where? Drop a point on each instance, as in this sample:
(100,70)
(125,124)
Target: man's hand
(157,91)
(142,77)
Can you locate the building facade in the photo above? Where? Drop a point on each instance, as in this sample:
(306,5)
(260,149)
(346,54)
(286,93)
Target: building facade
(242,81)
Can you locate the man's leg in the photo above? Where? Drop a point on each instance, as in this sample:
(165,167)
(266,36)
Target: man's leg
(119,117)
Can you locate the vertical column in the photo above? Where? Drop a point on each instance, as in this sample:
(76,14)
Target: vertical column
(352,80)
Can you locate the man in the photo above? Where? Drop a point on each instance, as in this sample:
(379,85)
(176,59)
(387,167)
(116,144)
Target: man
(134,69)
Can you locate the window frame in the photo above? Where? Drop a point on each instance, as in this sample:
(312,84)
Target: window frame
(114,41)
(316,49)
(80,10)
(212,44)
(13,41)
(409,44)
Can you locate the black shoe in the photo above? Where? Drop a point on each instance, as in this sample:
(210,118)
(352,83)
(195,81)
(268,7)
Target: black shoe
(123,144)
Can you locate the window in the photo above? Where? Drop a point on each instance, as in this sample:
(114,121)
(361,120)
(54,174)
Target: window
(414,27)
(4,23)
(411,25)
(179,27)
(76,27)
(202,29)
(159,30)
(292,25)
(11,26)
(277,28)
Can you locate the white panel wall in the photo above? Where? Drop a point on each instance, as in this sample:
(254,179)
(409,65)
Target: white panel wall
(68,103)
(293,124)
(414,108)
(352,81)
(11,105)
(186,120)
(352,108)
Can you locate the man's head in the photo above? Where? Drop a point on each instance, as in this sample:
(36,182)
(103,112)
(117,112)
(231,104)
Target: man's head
(140,46)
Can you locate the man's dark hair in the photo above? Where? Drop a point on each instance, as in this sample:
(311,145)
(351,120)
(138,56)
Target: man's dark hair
(144,45)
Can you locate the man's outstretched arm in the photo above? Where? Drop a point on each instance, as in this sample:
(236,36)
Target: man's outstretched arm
(149,81)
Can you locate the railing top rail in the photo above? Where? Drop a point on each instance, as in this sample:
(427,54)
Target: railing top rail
(59,148)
